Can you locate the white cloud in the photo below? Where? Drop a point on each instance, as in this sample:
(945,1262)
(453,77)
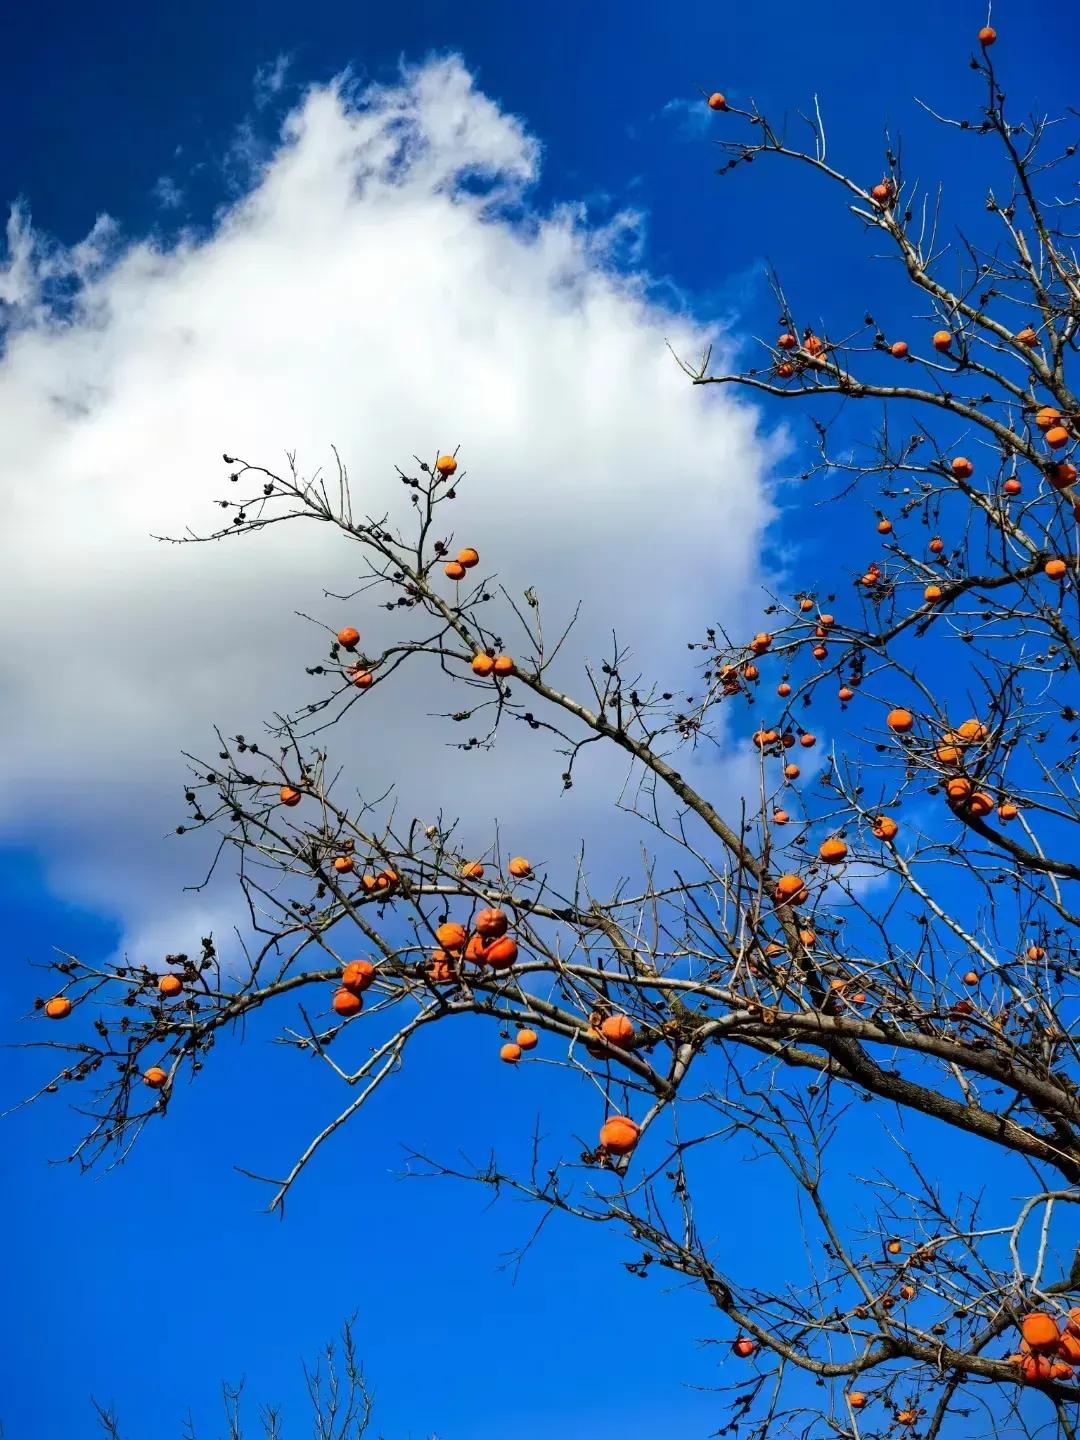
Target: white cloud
(383,285)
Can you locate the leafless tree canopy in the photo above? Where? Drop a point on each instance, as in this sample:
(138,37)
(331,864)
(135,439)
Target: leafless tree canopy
(891,944)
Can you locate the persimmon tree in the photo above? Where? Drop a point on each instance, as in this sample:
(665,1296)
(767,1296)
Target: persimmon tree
(898,929)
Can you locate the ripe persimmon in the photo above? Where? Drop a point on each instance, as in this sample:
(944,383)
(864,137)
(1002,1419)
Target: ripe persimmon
(899,349)
(348,638)
(1007,811)
(451,936)
(884,527)
(1027,337)
(932,593)
(347,1002)
(717,101)
(491,923)
(519,867)
(987,36)
(358,975)
(1061,474)
(942,340)
(362,679)
(619,1135)
(58,1008)
(846,693)
(856,1399)
(288,796)
(790,890)
(1055,569)
(483,664)
(783,689)
(501,953)
(468,557)
(472,870)
(511,1053)
(344,864)
(962,467)
(900,721)
(454,570)
(832,851)
(527,1039)
(618,1029)
(807,741)
(1057,436)
(937,545)
(1046,416)
(884,827)
(155,1077)
(503,665)
(787,341)
(743,1347)
(1041,1331)
(813,346)
(958,789)
(446,465)
(170,986)
(1012,486)
(791,771)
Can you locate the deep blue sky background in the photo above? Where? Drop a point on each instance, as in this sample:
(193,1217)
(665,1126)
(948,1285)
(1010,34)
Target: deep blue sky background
(149,1285)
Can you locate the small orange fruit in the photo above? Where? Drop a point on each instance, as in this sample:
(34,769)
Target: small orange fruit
(288,796)
(502,953)
(347,1002)
(472,870)
(1046,416)
(898,349)
(783,689)
(790,889)
(468,557)
(491,923)
(511,1053)
(884,827)
(451,936)
(483,664)
(717,101)
(519,867)
(155,1077)
(446,465)
(932,593)
(527,1039)
(856,1399)
(358,975)
(1055,569)
(344,864)
(1057,436)
(362,679)
(504,665)
(619,1135)
(1012,486)
(884,527)
(1007,811)
(618,1029)
(833,851)
(962,467)
(900,721)
(454,570)
(58,1008)
(743,1347)
(348,638)
(1040,1330)
(1027,337)
(170,986)
(942,340)
(987,36)
(1061,474)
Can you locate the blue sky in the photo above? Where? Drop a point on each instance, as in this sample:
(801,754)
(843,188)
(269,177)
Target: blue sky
(148,1285)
